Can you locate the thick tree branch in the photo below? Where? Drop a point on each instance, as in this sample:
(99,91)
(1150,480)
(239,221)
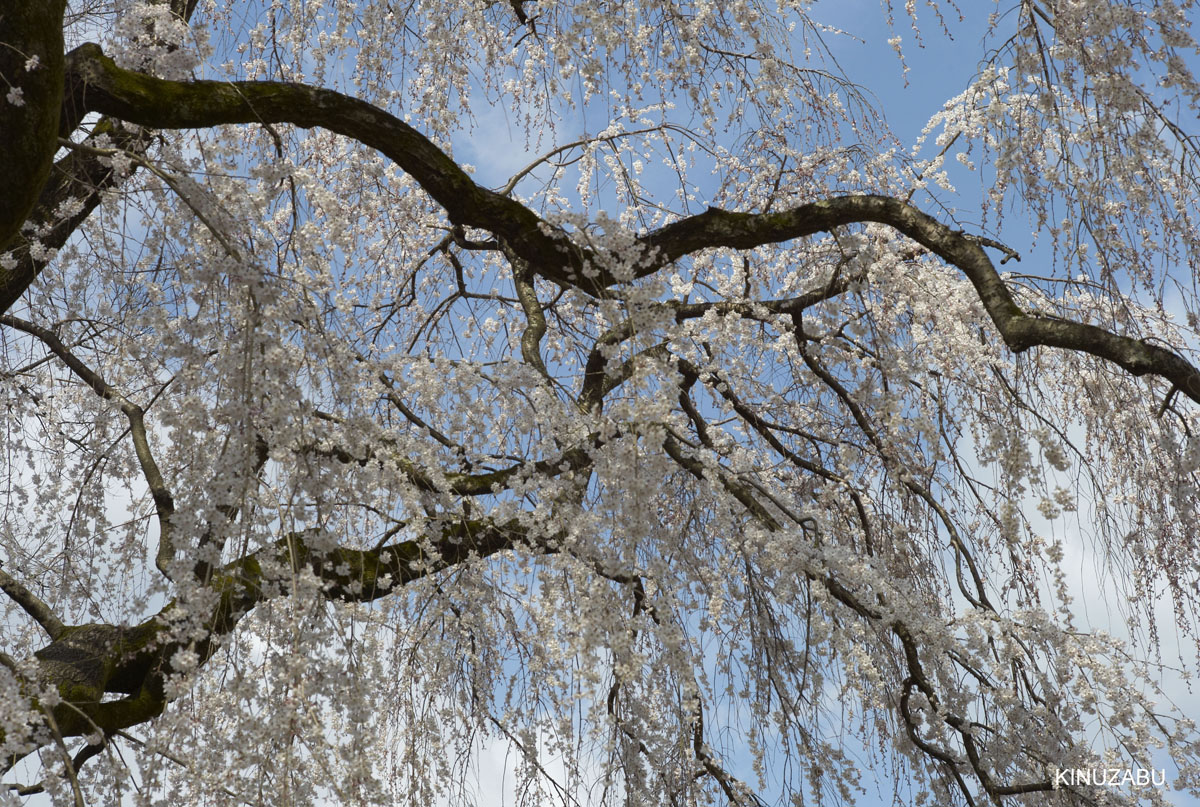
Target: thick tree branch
(76,182)
(104,87)
(468,484)
(1020,331)
(535,317)
(31,604)
(31,76)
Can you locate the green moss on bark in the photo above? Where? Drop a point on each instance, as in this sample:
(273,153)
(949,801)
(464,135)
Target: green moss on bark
(29,132)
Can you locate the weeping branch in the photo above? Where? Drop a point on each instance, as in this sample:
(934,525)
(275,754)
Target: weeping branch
(1019,330)
(881,615)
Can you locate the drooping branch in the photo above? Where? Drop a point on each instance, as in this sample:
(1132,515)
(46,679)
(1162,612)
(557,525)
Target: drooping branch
(875,608)
(598,377)
(184,188)
(211,541)
(102,86)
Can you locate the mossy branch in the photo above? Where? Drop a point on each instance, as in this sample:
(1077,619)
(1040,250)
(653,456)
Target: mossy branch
(31,76)
(102,86)
(86,662)
(79,180)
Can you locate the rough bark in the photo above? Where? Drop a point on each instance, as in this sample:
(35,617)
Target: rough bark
(29,30)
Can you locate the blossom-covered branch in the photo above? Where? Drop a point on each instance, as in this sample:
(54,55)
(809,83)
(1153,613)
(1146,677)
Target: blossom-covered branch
(103,87)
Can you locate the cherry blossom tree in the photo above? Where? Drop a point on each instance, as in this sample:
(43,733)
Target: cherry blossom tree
(708,458)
